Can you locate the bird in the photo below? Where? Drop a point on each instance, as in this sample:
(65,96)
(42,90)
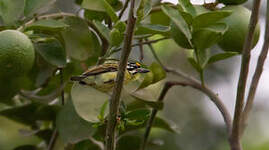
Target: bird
(102,77)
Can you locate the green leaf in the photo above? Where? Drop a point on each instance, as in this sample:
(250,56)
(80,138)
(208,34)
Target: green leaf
(47,25)
(11,10)
(211,34)
(209,18)
(34,6)
(187,17)
(163,124)
(80,42)
(195,65)
(158,72)
(138,115)
(94,15)
(129,142)
(157,123)
(160,18)
(179,37)
(179,21)
(116,37)
(151,29)
(100,5)
(88,101)
(187,6)
(153,104)
(102,29)
(203,56)
(71,127)
(143,10)
(148,79)
(121,26)
(93,5)
(30,113)
(103,111)
(221,56)
(53,52)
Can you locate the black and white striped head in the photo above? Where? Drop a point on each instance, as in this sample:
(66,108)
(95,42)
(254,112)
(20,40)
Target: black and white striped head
(135,67)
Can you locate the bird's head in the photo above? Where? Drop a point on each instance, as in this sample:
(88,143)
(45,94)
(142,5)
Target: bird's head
(135,67)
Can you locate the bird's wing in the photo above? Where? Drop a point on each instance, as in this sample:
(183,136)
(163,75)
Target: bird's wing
(96,71)
(100,69)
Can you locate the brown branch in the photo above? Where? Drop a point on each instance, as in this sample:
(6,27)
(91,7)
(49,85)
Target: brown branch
(257,74)
(115,98)
(192,82)
(213,97)
(235,137)
(165,89)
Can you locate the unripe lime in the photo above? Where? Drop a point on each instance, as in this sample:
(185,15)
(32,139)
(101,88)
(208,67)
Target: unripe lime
(234,38)
(16,54)
(232,2)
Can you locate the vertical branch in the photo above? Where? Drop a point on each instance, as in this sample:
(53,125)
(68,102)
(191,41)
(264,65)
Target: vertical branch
(115,98)
(257,74)
(165,89)
(235,137)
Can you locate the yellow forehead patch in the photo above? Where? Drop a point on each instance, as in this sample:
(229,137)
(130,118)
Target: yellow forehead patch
(138,64)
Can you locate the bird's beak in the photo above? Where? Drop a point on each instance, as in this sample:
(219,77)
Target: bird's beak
(142,70)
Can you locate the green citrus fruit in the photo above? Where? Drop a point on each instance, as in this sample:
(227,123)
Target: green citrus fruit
(232,2)
(16,54)
(234,38)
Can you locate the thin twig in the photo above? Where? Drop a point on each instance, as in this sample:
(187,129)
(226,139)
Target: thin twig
(257,74)
(55,133)
(141,49)
(235,137)
(53,138)
(54,15)
(124,8)
(142,43)
(165,89)
(32,95)
(115,98)
(155,55)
